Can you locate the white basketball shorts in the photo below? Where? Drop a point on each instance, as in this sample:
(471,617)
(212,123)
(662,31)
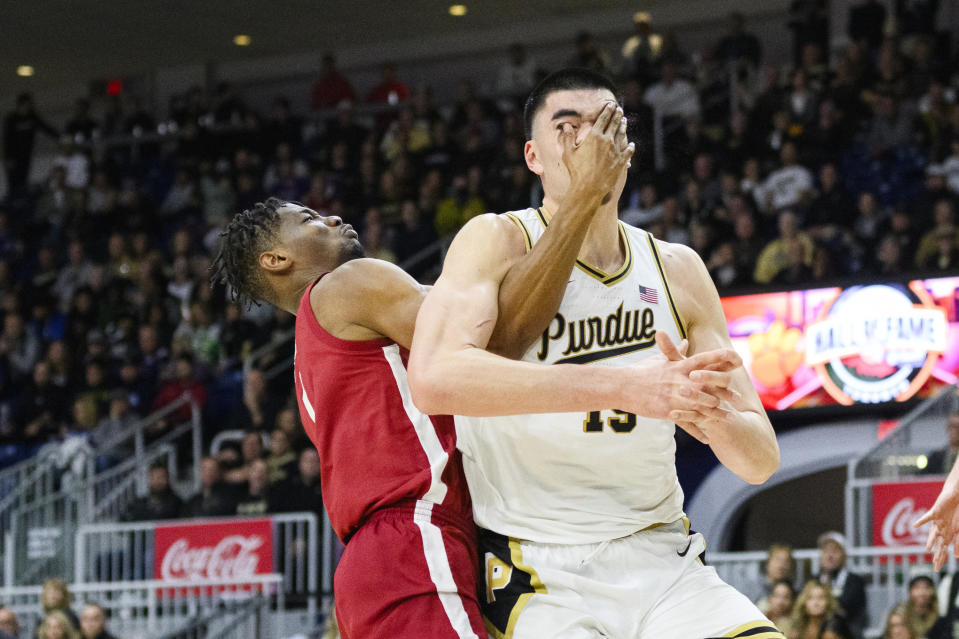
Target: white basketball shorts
(649,585)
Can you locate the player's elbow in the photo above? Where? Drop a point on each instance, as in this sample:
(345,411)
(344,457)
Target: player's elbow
(426,387)
(763,469)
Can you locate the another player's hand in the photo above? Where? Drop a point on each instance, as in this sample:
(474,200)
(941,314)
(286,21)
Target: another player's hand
(692,388)
(943,518)
(597,162)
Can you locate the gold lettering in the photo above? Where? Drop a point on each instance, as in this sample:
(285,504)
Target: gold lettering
(498,574)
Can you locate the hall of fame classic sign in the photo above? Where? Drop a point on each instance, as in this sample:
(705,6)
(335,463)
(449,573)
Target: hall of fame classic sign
(876,343)
(864,344)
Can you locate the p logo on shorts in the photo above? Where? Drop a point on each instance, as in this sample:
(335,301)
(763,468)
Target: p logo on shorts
(498,574)
(509,582)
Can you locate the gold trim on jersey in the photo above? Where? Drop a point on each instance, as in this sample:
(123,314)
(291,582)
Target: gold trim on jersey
(522,226)
(662,276)
(606,278)
(762,629)
(516,556)
(687,525)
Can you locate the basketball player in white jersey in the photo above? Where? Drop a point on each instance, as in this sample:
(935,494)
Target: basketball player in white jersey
(581,513)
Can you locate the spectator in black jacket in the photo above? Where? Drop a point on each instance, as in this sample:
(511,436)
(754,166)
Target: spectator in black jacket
(848,588)
(19,133)
(866,22)
(215,498)
(258,498)
(160,503)
(301,492)
(738,45)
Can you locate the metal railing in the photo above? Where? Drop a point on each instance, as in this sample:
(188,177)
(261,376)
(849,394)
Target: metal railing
(235,436)
(233,619)
(121,552)
(886,571)
(137,435)
(31,480)
(738,76)
(51,502)
(41,529)
(278,341)
(154,608)
(900,457)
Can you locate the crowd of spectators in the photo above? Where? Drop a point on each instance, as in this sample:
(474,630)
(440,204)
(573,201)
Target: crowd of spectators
(58,619)
(832,604)
(837,163)
(246,482)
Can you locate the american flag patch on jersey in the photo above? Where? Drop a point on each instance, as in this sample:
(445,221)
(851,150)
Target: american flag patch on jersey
(648,294)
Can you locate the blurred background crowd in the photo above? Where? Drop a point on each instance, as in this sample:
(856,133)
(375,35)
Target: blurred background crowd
(838,163)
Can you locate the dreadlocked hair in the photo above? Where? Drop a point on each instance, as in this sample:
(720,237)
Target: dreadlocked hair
(248,234)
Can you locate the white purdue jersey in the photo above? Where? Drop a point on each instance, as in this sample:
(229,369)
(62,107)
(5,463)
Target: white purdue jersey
(583,477)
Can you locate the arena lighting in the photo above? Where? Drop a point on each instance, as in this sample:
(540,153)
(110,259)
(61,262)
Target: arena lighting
(241,40)
(25,71)
(458,10)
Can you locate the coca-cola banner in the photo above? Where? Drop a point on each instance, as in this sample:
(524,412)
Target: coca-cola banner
(237,549)
(895,506)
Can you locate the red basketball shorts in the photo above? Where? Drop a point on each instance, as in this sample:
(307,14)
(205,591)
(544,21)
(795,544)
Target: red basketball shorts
(409,572)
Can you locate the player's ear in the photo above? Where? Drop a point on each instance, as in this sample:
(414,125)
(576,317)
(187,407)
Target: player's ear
(532,158)
(275,261)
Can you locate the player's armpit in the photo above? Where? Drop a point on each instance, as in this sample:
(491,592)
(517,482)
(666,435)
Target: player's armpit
(462,309)
(367,299)
(742,437)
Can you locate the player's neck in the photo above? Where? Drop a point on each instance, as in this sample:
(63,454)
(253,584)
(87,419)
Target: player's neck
(601,246)
(289,293)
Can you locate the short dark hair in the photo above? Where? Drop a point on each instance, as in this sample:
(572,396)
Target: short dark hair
(925,578)
(787,583)
(569,79)
(248,234)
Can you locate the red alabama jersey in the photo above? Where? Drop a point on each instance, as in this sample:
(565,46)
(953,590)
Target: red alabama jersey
(375,447)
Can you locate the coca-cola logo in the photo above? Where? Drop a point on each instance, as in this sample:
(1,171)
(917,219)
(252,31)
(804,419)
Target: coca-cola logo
(233,557)
(897,527)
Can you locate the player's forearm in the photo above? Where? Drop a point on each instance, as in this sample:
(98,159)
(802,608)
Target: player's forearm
(952,480)
(747,446)
(533,288)
(498,386)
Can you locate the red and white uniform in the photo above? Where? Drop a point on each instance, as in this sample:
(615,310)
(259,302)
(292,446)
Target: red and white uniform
(394,489)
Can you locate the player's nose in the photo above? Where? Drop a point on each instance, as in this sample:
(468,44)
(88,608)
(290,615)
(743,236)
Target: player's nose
(332,220)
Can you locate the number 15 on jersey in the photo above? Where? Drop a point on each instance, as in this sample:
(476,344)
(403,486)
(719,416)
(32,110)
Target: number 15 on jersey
(619,421)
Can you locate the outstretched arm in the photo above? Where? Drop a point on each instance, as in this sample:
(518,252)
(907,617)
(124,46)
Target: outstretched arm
(739,432)
(450,372)
(943,518)
(533,287)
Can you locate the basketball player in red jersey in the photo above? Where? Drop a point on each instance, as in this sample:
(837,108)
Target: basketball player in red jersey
(392,478)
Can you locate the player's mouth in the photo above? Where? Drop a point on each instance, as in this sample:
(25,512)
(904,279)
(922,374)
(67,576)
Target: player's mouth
(349,232)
